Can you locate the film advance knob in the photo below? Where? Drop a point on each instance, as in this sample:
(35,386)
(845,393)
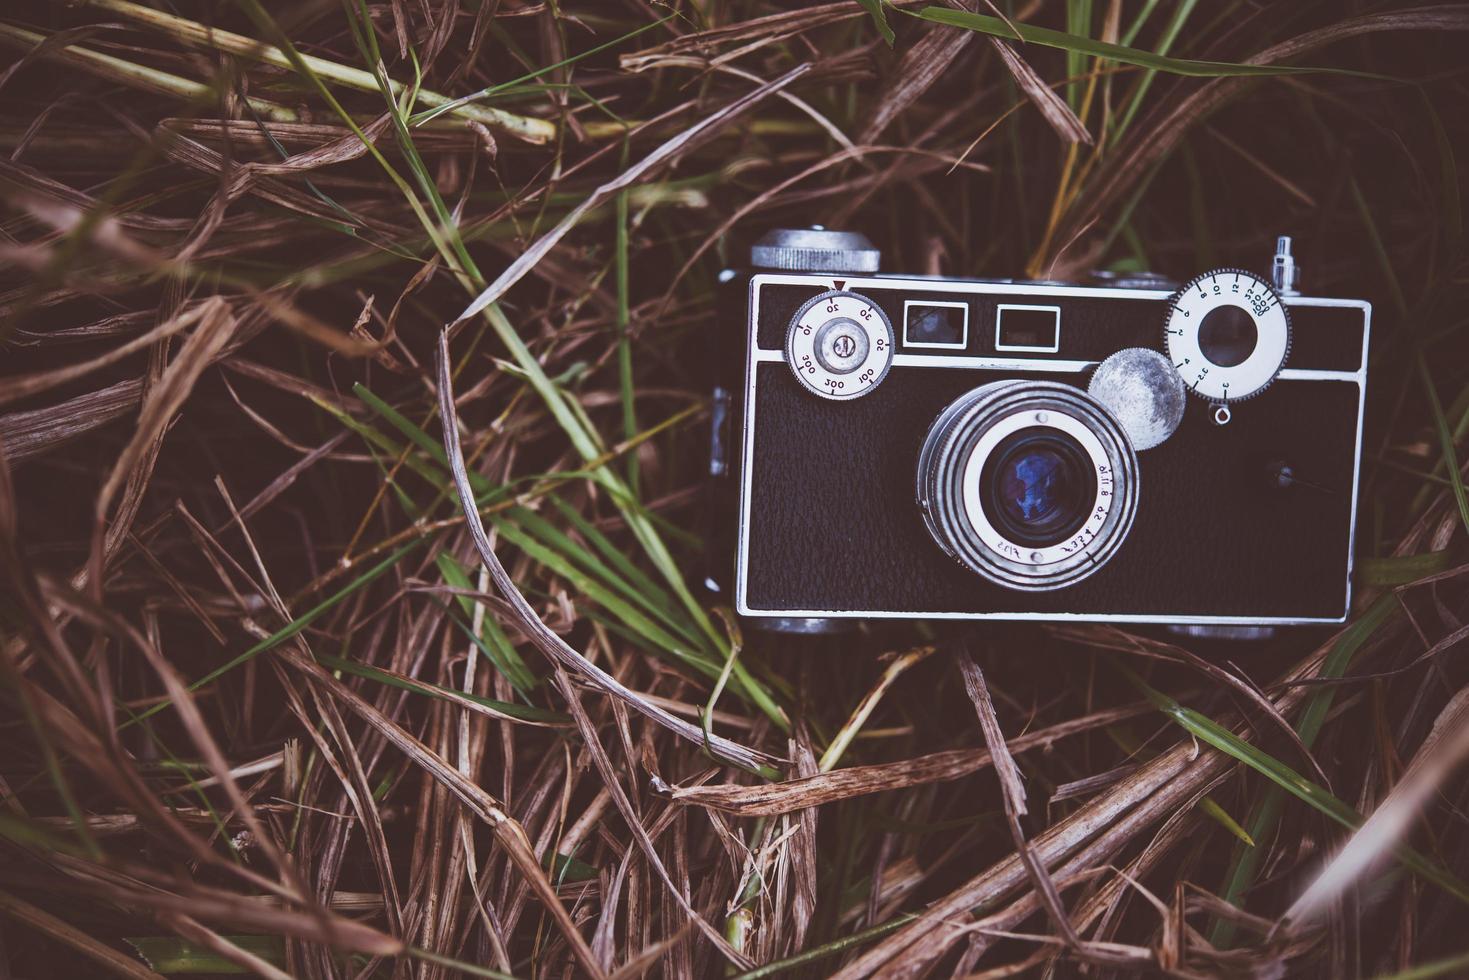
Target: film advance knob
(839,345)
(815,249)
(1228,335)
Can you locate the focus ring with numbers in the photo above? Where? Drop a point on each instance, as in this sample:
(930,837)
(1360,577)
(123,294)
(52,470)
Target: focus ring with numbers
(1228,335)
(840,345)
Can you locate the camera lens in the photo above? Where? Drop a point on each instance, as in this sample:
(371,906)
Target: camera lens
(1038,486)
(1030,484)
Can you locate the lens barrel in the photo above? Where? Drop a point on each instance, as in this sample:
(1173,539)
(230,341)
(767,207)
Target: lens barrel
(1030,484)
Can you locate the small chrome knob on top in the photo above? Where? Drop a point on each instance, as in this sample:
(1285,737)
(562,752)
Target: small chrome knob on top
(1285,275)
(815,249)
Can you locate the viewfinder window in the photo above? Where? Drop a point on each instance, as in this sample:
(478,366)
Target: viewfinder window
(1032,329)
(936,324)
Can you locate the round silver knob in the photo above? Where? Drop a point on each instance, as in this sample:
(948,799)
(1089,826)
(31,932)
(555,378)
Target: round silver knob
(1143,390)
(815,249)
(840,345)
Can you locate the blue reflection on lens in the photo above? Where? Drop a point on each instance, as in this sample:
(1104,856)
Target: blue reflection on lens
(1031,486)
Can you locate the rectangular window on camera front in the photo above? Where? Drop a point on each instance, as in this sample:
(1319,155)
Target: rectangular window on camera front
(936,324)
(1028,329)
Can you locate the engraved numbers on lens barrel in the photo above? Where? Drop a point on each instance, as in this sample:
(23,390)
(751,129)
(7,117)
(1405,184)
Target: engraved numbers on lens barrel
(1227,334)
(840,345)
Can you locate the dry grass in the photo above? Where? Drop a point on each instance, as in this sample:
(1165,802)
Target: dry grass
(272,704)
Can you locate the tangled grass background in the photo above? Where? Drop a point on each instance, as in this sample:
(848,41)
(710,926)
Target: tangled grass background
(272,704)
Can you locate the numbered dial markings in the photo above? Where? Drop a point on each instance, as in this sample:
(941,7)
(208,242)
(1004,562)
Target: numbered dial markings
(1227,334)
(840,345)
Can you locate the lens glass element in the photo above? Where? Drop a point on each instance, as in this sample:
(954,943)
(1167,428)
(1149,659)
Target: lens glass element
(1038,486)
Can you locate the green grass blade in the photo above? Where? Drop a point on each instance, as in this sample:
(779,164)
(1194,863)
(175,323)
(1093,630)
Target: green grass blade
(825,950)
(515,83)
(1351,642)
(1045,37)
(1170,34)
(626,391)
(1220,816)
(54,771)
(1452,208)
(1207,730)
(1267,814)
(416,435)
(588,561)
(583,437)
(1454,966)
(1445,442)
(385,445)
(1078,24)
(1130,35)
(706,718)
(520,711)
(1212,733)
(493,641)
(308,69)
(289,630)
(170,954)
(614,555)
(1400,569)
(879,17)
(589,587)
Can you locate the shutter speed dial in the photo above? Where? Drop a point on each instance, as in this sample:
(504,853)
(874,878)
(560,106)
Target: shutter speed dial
(840,345)
(1227,334)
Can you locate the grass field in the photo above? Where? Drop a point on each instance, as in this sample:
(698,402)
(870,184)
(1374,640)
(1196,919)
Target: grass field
(284,285)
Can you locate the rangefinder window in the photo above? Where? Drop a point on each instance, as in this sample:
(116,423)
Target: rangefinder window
(1032,329)
(935,324)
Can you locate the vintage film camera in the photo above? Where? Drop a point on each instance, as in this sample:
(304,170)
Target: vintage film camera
(891,446)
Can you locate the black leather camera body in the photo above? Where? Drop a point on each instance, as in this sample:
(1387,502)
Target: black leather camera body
(889,446)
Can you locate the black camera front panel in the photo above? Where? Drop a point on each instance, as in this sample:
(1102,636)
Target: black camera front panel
(829,525)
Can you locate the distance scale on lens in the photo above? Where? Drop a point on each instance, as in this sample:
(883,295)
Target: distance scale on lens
(1227,334)
(840,345)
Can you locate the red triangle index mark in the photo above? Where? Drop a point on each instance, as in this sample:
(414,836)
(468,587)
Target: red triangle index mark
(839,284)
